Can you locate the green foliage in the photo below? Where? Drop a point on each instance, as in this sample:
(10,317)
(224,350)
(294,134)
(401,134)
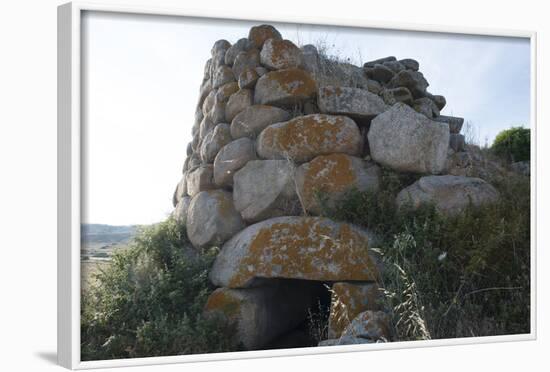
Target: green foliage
(513,144)
(447,277)
(149,301)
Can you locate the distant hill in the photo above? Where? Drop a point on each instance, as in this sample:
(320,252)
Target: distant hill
(99,241)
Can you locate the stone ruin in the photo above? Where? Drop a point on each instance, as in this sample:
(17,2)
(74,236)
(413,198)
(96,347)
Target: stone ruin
(275,125)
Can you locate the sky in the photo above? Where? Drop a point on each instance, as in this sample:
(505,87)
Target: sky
(142,74)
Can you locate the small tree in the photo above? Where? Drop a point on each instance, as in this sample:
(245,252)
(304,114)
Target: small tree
(513,144)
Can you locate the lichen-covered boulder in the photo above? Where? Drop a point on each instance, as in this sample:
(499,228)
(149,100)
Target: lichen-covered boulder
(457,142)
(205,127)
(279,54)
(440,101)
(200,179)
(357,103)
(212,218)
(251,121)
(406,141)
(379,61)
(231,158)
(381,73)
(412,80)
(222,75)
(410,64)
(214,141)
(449,194)
(330,177)
(285,87)
(305,137)
(307,248)
(348,300)
(180,213)
(455,123)
(260,315)
(265,188)
(259,34)
(238,101)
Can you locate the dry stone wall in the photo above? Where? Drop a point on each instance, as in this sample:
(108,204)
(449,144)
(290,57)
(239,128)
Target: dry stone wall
(275,125)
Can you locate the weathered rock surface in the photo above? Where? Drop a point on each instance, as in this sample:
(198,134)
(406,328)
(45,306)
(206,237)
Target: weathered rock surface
(252,120)
(440,101)
(426,106)
(392,96)
(260,315)
(181,190)
(348,300)
(407,141)
(449,194)
(259,34)
(412,80)
(381,73)
(370,325)
(330,177)
(242,45)
(395,66)
(280,54)
(212,218)
(305,137)
(200,179)
(246,60)
(180,213)
(214,141)
(231,158)
(265,188)
(455,123)
(238,101)
(284,87)
(360,104)
(308,248)
(410,64)
(248,78)
(457,142)
(222,75)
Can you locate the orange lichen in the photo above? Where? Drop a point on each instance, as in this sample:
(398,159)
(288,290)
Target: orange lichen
(283,53)
(221,301)
(311,249)
(259,34)
(294,81)
(226,90)
(304,137)
(330,90)
(329,174)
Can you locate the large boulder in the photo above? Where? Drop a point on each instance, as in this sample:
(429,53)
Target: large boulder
(285,87)
(360,104)
(265,188)
(426,106)
(231,158)
(214,141)
(246,60)
(348,300)
(392,96)
(252,120)
(371,64)
(279,54)
(260,315)
(180,213)
(222,75)
(238,101)
(305,137)
(327,178)
(407,141)
(212,218)
(449,194)
(242,45)
(259,34)
(181,190)
(307,248)
(248,78)
(200,179)
(412,80)
(381,73)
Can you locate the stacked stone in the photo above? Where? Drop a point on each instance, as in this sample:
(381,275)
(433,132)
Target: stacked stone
(274,127)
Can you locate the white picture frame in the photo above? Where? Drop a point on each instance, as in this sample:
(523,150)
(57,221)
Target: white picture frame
(69,183)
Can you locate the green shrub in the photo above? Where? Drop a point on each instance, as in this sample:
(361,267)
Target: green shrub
(513,144)
(149,301)
(448,277)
